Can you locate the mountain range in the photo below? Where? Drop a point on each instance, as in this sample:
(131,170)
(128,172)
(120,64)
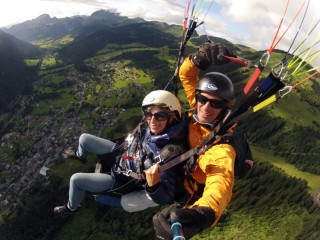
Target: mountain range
(16,45)
(46,27)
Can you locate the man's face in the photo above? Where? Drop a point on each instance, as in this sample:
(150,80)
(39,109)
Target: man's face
(206,113)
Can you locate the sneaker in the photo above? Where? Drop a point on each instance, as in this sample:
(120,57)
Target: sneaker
(64,210)
(70,152)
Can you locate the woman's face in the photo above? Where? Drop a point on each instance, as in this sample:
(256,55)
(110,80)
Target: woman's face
(157,119)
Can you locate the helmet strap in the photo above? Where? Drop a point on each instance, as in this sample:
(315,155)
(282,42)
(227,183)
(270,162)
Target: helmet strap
(222,114)
(214,123)
(206,125)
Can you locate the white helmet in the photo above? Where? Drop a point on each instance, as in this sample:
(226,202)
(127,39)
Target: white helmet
(162,98)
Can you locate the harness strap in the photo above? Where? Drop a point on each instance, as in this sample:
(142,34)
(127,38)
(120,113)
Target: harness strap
(123,153)
(201,147)
(132,174)
(127,157)
(183,157)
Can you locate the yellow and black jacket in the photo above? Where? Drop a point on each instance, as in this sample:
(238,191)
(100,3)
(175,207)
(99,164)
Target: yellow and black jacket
(214,168)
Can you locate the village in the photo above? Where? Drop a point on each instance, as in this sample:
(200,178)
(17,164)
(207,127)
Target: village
(50,137)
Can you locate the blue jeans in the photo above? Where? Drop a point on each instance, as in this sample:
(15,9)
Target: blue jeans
(91,182)
(80,183)
(92,144)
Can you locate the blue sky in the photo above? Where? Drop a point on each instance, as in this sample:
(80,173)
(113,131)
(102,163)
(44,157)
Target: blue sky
(249,22)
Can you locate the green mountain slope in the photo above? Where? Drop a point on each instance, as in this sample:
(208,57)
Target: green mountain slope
(16,77)
(148,34)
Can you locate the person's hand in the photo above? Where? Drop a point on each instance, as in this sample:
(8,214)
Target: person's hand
(153,175)
(210,53)
(193,220)
(162,224)
(201,217)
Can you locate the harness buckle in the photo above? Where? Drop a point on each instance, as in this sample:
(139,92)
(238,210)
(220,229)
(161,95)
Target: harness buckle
(129,139)
(157,159)
(135,175)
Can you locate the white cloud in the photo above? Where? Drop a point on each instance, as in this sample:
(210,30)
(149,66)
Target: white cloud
(254,23)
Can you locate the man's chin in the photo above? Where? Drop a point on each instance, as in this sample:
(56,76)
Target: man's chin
(205,119)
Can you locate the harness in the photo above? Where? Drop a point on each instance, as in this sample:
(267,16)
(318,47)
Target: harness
(129,162)
(142,150)
(236,139)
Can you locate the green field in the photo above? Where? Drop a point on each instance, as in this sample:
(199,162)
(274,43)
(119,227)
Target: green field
(266,155)
(295,111)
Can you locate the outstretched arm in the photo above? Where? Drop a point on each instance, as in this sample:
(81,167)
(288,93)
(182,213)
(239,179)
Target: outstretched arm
(208,54)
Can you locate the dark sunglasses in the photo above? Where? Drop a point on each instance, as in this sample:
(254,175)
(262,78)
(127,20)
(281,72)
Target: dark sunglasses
(159,116)
(214,103)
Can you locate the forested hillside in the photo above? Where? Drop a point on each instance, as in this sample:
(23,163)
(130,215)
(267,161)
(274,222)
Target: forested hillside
(267,204)
(16,78)
(93,79)
(146,35)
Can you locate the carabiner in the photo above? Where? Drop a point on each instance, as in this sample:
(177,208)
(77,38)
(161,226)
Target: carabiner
(265,55)
(288,89)
(286,75)
(278,72)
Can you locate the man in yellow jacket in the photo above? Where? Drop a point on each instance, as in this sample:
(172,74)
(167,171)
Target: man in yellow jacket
(210,97)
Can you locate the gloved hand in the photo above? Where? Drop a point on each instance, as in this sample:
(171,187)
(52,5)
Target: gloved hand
(162,224)
(210,53)
(193,220)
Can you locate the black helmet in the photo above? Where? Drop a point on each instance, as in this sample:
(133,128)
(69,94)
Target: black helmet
(217,84)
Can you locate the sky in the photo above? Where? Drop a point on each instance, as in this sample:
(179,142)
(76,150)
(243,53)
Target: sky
(249,22)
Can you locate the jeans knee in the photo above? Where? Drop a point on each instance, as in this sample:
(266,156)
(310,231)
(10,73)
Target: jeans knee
(74,179)
(83,138)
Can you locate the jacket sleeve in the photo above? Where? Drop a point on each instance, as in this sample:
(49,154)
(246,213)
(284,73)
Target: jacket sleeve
(218,165)
(188,75)
(164,192)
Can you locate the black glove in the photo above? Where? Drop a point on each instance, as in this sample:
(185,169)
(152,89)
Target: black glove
(161,223)
(210,53)
(193,220)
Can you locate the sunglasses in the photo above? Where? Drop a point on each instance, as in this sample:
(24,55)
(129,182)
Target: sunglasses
(214,103)
(159,116)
